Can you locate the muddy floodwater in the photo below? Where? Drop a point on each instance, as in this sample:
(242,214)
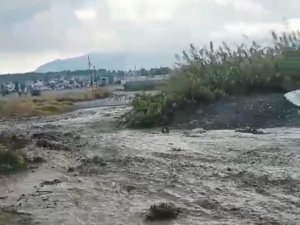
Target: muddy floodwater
(96,173)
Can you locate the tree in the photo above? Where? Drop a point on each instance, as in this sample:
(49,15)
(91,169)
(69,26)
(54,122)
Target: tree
(102,72)
(46,79)
(110,78)
(22,87)
(121,73)
(143,72)
(17,89)
(164,70)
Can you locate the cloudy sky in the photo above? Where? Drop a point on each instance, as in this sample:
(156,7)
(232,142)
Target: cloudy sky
(33,32)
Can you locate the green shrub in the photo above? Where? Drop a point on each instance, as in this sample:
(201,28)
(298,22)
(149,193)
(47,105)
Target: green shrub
(147,111)
(10,161)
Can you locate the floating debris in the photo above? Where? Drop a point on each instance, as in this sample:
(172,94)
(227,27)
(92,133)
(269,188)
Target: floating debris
(249,130)
(165,130)
(162,211)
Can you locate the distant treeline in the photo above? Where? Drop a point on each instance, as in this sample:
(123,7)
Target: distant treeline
(32,76)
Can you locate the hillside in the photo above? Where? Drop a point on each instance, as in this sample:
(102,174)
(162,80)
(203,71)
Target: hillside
(109,61)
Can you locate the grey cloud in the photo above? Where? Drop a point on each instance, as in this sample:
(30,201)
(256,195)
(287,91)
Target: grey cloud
(18,10)
(37,25)
(168,26)
(281,9)
(40,25)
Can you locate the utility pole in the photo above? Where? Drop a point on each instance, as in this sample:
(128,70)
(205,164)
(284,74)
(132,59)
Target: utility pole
(95,77)
(90,72)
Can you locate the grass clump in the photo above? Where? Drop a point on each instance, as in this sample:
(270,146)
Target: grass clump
(47,105)
(209,74)
(147,111)
(98,93)
(10,161)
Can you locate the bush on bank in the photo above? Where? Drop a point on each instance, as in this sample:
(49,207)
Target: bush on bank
(10,160)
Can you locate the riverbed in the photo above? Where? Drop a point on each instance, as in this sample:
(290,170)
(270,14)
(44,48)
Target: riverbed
(111,176)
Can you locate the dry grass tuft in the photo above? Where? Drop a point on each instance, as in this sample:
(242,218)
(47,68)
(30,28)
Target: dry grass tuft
(47,105)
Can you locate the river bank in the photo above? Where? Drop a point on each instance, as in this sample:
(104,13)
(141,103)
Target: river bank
(256,111)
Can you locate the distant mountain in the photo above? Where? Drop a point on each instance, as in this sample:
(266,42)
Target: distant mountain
(109,61)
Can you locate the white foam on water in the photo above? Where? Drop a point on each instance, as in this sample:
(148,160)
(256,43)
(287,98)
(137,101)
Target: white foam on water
(293,97)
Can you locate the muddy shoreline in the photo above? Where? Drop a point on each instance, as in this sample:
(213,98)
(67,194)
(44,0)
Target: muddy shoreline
(114,175)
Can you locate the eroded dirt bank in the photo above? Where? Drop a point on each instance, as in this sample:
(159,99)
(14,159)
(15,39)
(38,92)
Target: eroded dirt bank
(97,174)
(257,110)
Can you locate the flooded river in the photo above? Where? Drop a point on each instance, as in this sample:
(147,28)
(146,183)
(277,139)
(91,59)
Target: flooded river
(111,176)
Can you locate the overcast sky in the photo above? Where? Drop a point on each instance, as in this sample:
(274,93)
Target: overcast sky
(33,32)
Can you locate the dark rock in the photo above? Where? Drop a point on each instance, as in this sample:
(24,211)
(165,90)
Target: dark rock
(45,144)
(72,135)
(163,211)
(177,149)
(232,208)
(77,137)
(52,145)
(71,169)
(208,203)
(91,165)
(22,196)
(44,199)
(219,189)
(56,140)
(32,167)
(46,136)
(38,160)
(52,182)
(95,160)
(165,130)
(130,188)
(249,130)
(261,191)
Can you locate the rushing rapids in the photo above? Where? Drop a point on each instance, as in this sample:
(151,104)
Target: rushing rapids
(94,173)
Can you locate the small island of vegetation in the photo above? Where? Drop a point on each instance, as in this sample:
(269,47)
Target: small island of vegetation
(206,76)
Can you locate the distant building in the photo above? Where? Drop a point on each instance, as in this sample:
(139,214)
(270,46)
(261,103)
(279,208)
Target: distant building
(10,87)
